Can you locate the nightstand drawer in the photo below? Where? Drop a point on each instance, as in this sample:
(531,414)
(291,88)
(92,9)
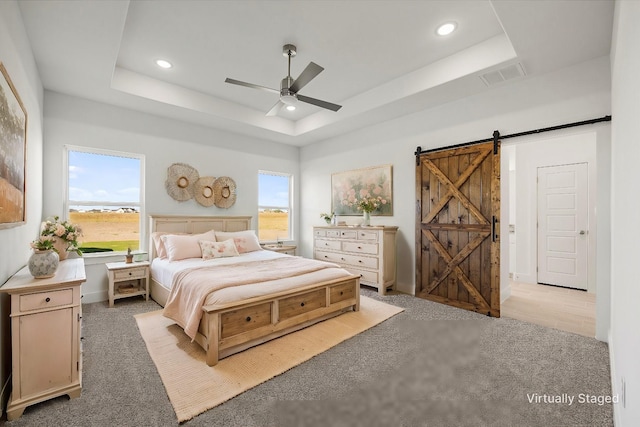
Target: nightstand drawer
(130,273)
(46,299)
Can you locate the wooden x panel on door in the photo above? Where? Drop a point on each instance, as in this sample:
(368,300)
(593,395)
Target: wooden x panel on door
(458,206)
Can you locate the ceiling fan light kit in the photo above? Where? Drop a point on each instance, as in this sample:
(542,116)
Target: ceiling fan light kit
(289,88)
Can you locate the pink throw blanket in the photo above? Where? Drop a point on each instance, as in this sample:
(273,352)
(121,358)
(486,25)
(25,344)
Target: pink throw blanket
(191,286)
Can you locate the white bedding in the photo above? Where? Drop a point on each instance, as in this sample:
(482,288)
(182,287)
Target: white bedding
(163,271)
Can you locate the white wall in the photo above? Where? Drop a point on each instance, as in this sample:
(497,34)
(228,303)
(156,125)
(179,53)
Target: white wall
(15,54)
(74,121)
(542,151)
(570,95)
(624,344)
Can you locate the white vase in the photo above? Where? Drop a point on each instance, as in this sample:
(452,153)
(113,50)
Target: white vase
(366,218)
(61,247)
(43,264)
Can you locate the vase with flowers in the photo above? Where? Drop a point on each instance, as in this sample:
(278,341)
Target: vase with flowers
(44,260)
(65,236)
(367,205)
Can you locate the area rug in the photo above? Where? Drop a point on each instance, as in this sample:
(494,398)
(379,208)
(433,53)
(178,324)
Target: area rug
(193,387)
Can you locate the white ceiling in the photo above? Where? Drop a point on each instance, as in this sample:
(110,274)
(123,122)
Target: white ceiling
(382,59)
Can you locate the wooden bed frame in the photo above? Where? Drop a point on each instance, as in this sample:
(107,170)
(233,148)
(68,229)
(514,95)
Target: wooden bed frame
(230,328)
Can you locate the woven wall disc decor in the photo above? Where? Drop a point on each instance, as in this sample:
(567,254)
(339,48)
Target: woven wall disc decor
(203,191)
(181,179)
(224,190)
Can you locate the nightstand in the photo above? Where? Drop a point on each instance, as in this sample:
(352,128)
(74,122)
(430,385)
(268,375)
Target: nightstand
(128,280)
(46,316)
(284,249)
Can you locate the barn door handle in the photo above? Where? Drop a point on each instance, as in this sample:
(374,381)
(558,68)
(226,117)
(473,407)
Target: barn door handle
(494,229)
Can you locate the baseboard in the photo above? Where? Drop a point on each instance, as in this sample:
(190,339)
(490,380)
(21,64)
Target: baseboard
(90,297)
(4,395)
(505,293)
(614,388)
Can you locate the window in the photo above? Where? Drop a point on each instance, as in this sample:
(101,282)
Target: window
(104,197)
(274,206)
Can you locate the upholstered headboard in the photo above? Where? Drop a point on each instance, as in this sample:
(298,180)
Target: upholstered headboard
(194,224)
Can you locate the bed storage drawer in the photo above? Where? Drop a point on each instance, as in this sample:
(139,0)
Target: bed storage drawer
(342,292)
(303,303)
(245,319)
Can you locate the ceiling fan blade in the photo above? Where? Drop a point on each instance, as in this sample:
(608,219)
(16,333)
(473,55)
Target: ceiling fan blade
(306,76)
(276,108)
(319,103)
(251,85)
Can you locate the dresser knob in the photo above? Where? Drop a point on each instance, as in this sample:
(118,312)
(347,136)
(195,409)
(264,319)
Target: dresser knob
(129,273)
(360,261)
(359,247)
(47,299)
(248,319)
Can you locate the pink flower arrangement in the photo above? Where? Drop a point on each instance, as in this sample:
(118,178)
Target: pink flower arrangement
(63,230)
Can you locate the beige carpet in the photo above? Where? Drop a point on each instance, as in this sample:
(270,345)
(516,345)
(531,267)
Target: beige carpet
(193,387)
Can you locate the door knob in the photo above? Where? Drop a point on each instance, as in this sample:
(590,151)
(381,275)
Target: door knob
(582,232)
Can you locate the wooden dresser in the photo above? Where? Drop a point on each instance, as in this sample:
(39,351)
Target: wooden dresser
(46,317)
(367,251)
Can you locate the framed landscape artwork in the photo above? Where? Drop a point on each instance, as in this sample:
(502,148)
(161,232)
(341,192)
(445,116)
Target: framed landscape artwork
(347,188)
(13,139)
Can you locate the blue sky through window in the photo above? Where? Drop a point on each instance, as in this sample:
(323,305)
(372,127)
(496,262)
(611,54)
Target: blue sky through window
(273,190)
(103,178)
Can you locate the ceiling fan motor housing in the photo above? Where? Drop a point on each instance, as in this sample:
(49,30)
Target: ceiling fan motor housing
(286,95)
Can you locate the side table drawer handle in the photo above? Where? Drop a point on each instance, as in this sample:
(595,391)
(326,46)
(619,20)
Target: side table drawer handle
(47,299)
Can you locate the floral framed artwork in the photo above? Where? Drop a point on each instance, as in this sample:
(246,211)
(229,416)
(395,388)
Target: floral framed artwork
(13,140)
(370,188)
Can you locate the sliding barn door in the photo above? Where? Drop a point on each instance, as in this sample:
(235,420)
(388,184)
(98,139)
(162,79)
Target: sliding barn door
(457,214)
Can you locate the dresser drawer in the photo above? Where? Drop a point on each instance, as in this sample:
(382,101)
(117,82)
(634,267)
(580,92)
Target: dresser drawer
(303,303)
(320,233)
(359,261)
(364,248)
(348,234)
(366,277)
(333,233)
(328,244)
(342,292)
(245,319)
(46,299)
(371,236)
(329,256)
(130,273)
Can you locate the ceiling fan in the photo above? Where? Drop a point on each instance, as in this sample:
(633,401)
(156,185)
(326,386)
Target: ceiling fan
(289,88)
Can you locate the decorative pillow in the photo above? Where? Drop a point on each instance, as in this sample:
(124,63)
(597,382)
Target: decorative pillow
(161,251)
(183,246)
(245,241)
(218,249)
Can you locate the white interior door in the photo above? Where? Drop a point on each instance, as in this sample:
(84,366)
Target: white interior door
(563,221)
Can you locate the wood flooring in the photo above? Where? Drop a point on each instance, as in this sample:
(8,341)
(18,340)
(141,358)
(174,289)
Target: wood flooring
(559,308)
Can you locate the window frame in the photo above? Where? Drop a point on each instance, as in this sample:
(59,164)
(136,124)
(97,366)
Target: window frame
(289,208)
(142,244)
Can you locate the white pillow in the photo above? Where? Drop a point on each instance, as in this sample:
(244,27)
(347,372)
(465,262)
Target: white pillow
(218,249)
(245,241)
(183,246)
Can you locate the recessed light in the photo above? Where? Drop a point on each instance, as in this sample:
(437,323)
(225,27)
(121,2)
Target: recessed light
(291,107)
(163,63)
(446,29)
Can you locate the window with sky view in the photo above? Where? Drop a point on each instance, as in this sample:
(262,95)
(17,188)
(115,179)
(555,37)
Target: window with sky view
(274,206)
(104,197)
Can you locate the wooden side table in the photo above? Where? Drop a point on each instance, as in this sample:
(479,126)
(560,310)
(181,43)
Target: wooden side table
(128,280)
(46,317)
(284,249)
